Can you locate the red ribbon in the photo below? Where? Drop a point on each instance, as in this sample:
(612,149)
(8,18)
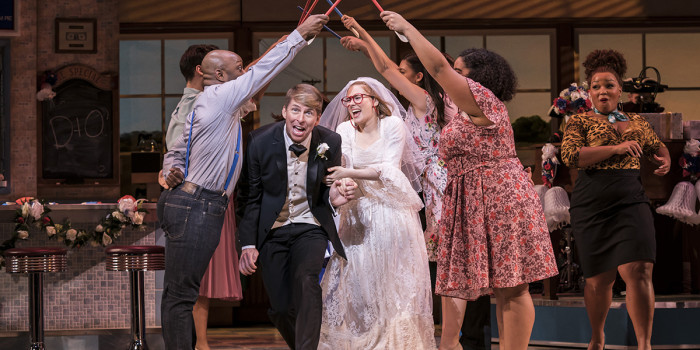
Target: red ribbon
(378,6)
(332,7)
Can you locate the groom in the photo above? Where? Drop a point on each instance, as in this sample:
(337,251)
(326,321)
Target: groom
(288,213)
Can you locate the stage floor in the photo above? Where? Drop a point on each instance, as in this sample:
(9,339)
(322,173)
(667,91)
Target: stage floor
(243,338)
(559,324)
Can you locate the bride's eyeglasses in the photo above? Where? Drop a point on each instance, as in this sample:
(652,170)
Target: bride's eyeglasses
(357,98)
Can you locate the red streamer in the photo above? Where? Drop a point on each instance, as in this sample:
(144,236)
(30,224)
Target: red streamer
(378,6)
(332,7)
(303,12)
(306,15)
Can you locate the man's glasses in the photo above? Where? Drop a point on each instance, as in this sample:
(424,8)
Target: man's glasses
(357,98)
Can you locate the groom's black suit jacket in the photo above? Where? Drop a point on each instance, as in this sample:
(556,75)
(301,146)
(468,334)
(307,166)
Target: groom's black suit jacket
(263,189)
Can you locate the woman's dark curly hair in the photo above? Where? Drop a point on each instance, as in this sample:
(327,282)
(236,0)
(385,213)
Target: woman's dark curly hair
(492,71)
(605,61)
(437,94)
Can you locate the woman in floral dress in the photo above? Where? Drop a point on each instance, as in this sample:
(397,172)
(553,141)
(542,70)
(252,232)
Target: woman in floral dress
(494,235)
(429,110)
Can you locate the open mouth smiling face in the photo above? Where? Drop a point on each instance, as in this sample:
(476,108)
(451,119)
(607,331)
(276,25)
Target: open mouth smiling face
(360,105)
(300,120)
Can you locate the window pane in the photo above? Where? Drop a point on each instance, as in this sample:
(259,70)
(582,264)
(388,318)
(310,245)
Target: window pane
(344,65)
(270,105)
(454,45)
(686,102)
(675,55)
(174,81)
(306,67)
(435,40)
(139,118)
(139,67)
(528,55)
(630,45)
(526,104)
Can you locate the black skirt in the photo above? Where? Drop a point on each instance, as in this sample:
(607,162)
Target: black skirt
(611,219)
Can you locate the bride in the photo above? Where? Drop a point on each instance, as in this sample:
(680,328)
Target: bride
(379,298)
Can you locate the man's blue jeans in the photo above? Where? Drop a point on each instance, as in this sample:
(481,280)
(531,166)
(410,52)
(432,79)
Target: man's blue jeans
(192,218)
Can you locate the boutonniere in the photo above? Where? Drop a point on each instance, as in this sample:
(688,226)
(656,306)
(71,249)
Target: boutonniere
(321,150)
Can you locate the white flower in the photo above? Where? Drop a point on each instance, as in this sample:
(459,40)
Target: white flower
(575,95)
(25,209)
(22,234)
(138,218)
(71,234)
(127,205)
(119,216)
(50,230)
(106,239)
(36,209)
(321,150)
(99,228)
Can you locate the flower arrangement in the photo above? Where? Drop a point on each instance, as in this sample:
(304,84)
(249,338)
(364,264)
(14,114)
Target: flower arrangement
(321,150)
(35,212)
(550,163)
(690,160)
(572,100)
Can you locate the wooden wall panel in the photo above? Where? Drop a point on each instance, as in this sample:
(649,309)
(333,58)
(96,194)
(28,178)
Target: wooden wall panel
(285,10)
(180,10)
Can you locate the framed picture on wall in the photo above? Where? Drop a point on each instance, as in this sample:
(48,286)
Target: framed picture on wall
(9,18)
(76,35)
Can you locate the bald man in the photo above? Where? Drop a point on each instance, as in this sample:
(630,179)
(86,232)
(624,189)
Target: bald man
(208,152)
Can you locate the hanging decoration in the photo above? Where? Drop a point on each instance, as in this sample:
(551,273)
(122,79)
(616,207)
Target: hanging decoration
(34,212)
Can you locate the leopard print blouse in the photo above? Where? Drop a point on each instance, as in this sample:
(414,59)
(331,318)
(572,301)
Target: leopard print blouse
(586,131)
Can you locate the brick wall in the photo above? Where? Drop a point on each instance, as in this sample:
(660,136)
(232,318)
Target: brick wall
(33,52)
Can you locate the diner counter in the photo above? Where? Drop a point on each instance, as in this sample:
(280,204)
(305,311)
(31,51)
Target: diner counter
(77,213)
(86,296)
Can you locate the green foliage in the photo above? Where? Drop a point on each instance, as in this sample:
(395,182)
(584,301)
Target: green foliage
(531,129)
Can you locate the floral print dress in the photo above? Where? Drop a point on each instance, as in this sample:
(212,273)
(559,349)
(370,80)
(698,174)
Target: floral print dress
(425,131)
(493,230)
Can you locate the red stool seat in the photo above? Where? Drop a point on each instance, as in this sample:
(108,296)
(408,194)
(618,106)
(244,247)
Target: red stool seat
(135,249)
(34,262)
(135,257)
(38,259)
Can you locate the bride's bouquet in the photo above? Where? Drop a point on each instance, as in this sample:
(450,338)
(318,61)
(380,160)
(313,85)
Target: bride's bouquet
(572,100)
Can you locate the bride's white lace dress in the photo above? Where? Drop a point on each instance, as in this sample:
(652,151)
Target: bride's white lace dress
(379,298)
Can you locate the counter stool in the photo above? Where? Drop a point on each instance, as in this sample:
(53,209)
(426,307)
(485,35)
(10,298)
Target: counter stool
(136,259)
(35,262)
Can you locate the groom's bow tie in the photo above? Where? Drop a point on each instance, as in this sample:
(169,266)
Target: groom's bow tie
(297,149)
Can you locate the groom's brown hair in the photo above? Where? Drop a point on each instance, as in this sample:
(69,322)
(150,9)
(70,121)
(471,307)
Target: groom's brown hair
(307,95)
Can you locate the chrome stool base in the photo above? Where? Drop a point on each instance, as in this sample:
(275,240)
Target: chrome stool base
(136,260)
(138,345)
(35,262)
(37,346)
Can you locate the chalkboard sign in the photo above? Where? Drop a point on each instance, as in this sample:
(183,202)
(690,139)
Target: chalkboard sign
(77,130)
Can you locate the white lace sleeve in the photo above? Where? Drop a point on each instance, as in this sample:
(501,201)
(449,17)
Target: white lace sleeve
(396,187)
(347,134)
